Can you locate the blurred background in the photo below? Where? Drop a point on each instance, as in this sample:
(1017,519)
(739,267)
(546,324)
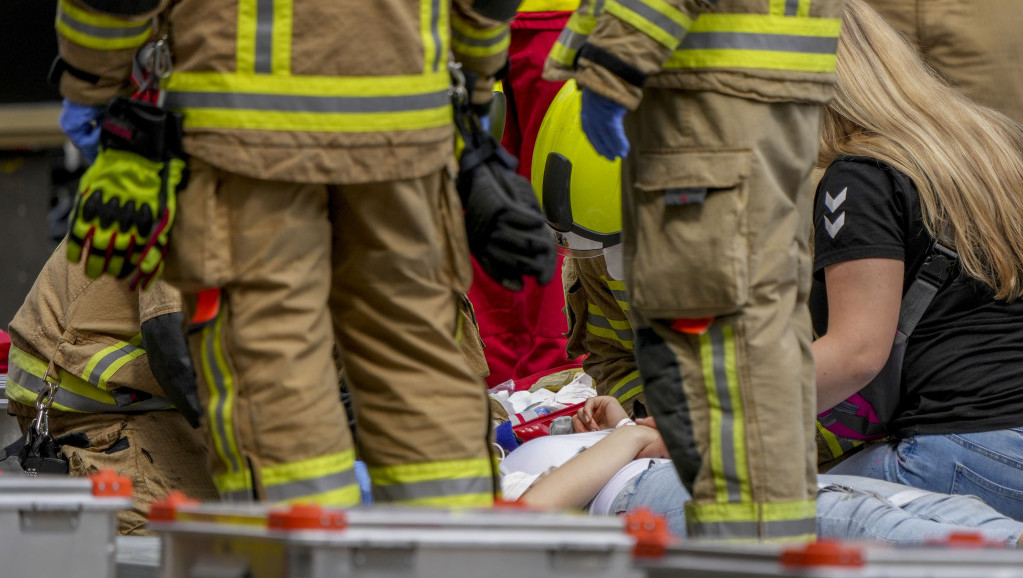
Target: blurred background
(37,177)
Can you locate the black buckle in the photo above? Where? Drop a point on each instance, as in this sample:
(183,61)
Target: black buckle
(939,262)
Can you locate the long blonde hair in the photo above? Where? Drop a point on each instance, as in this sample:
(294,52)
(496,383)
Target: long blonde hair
(965,160)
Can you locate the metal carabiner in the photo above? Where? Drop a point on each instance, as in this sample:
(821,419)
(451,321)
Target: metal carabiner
(42,420)
(457,90)
(162,65)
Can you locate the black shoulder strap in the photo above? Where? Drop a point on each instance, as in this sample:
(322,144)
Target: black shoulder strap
(928,280)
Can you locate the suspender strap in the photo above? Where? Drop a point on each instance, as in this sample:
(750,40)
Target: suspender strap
(928,280)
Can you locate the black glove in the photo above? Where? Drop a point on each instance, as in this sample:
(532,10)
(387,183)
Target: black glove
(163,338)
(507,231)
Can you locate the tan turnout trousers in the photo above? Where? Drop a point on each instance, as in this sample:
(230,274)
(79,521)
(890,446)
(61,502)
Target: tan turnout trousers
(158,450)
(382,265)
(736,403)
(598,325)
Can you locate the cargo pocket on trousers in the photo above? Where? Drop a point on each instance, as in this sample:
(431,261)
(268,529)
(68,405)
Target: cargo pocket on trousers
(114,448)
(692,249)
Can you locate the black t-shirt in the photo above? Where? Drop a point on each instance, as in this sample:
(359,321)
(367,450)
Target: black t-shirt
(963,369)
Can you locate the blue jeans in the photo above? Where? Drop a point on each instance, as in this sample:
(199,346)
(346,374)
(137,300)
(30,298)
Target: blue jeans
(988,465)
(848,508)
(859,508)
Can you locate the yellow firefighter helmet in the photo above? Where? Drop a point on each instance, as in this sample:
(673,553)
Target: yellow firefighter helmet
(579,190)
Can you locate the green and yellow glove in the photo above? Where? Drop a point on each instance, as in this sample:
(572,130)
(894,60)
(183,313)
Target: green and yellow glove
(126,204)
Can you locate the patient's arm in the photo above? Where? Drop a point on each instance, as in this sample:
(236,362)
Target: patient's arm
(575,483)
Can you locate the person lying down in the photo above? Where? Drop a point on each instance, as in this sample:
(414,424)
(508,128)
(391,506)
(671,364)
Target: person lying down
(612,465)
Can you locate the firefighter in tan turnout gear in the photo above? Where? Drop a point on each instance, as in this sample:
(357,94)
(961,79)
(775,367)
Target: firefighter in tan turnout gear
(726,98)
(320,201)
(102,345)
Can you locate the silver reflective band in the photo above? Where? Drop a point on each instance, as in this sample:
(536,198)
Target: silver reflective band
(219,421)
(603,323)
(435,33)
(320,104)
(110,33)
(77,402)
(264,36)
(654,17)
(726,430)
(572,40)
(766,42)
(629,389)
(791,7)
(431,489)
(109,359)
(311,487)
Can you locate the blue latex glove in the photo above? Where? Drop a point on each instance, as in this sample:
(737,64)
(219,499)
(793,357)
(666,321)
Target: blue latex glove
(81,124)
(603,124)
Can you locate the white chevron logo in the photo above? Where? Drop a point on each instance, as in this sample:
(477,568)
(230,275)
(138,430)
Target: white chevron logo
(836,201)
(834,228)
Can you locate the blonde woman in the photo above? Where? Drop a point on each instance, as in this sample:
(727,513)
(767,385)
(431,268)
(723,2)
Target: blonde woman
(910,161)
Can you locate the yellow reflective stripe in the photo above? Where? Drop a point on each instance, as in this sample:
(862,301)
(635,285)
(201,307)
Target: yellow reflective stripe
(572,38)
(220,382)
(609,334)
(694,59)
(316,467)
(234,482)
(478,43)
(427,471)
(599,324)
(448,483)
(325,104)
(767,511)
(319,479)
(99,31)
(729,465)
(628,387)
(433,19)
(759,41)
(777,7)
(761,24)
(245,37)
(283,13)
(803,11)
(74,394)
(617,324)
(655,18)
(104,364)
(479,500)
(765,521)
(618,292)
(548,5)
(316,122)
(469,30)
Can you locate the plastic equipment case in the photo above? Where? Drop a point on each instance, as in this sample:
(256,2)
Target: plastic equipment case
(218,540)
(57,526)
(963,555)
